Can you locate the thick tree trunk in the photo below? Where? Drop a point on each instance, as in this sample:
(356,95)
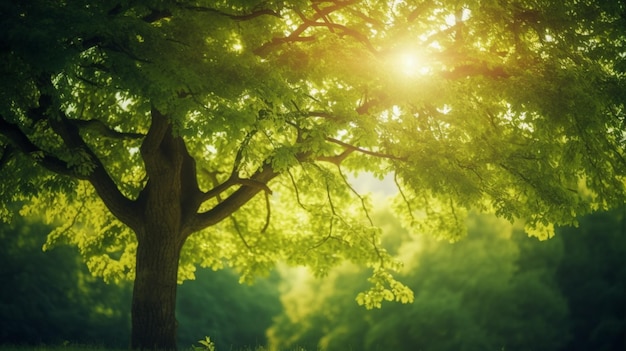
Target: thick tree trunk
(154,295)
(165,202)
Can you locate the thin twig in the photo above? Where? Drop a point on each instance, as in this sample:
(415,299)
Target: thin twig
(364,151)
(363,205)
(269,213)
(295,188)
(239,233)
(404,198)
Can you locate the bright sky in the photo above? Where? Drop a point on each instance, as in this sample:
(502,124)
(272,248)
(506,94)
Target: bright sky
(366,183)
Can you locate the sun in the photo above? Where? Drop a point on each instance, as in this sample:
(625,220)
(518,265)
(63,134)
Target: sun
(411,64)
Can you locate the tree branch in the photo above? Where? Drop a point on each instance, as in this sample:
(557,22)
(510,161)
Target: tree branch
(22,143)
(119,205)
(159,126)
(250,187)
(268,215)
(404,197)
(95,125)
(361,198)
(244,17)
(364,151)
(217,190)
(297,192)
(345,30)
(239,233)
(295,35)
(337,159)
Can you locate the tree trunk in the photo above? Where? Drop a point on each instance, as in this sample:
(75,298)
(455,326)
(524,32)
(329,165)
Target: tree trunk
(154,294)
(168,204)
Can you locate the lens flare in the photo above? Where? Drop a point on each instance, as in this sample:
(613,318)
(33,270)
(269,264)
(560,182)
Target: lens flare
(411,64)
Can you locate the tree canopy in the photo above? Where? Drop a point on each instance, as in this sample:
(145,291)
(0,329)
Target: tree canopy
(135,124)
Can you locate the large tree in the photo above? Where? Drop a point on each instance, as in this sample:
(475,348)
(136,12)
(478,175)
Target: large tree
(163,134)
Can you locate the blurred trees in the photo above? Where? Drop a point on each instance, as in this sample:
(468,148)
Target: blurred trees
(496,289)
(52,298)
(234,315)
(592,275)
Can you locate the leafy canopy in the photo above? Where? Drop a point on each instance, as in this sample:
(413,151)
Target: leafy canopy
(511,108)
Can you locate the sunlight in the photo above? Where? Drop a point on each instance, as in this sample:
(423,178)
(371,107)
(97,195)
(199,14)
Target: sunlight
(236,47)
(235,44)
(133,151)
(410,64)
(452,19)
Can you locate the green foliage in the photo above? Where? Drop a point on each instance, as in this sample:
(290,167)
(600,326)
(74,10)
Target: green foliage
(205,345)
(374,296)
(565,293)
(107,247)
(240,120)
(478,293)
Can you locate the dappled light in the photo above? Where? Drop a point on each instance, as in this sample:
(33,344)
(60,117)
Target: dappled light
(387,146)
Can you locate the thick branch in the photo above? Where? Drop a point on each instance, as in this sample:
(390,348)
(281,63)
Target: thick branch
(95,125)
(119,205)
(22,143)
(217,190)
(244,17)
(151,143)
(251,187)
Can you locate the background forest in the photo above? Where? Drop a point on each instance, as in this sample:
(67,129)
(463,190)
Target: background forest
(496,289)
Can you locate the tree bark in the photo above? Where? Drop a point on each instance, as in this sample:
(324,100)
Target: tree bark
(154,294)
(166,202)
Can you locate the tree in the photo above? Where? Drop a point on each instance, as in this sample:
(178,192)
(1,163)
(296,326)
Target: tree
(470,295)
(162,134)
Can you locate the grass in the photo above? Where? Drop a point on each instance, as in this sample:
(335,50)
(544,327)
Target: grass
(78,347)
(56,348)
